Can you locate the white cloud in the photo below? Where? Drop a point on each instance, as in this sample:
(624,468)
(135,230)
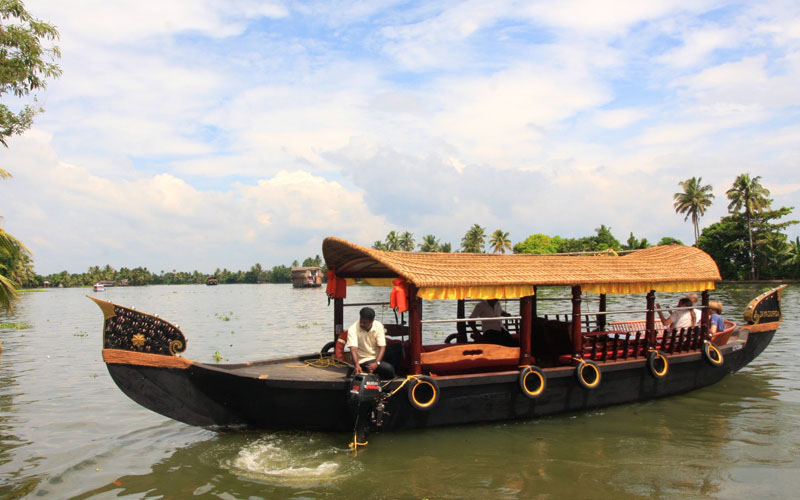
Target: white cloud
(699,45)
(244,132)
(78,219)
(619,118)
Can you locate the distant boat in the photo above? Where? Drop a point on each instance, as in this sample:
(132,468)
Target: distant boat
(212,280)
(99,287)
(304,277)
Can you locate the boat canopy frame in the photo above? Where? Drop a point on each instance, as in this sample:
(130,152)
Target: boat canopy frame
(460,276)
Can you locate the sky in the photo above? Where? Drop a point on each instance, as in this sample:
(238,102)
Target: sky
(197,134)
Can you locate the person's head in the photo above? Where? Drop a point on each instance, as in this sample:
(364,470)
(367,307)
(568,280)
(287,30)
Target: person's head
(685,302)
(715,306)
(693,298)
(491,302)
(366,316)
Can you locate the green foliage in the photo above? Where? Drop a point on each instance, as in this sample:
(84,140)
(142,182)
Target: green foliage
(315,262)
(25,64)
(727,241)
(16,269)
(395,241)
(669,240)
(537,243)
(751,197)
(693,201)
(474,241)
(499,241)
(429,244)
(10,325)
(634,244)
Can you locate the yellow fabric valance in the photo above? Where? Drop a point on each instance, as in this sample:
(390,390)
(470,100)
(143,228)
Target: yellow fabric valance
(475,292)
(677,286)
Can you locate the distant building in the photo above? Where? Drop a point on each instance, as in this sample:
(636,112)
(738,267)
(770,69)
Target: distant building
(304,277)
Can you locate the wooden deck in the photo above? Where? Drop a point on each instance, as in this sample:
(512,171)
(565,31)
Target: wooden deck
(302,368)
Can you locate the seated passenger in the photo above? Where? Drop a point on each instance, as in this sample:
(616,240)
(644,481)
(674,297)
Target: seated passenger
(717,323)
(366,339)
(493,331)
(698,314)
(679,318)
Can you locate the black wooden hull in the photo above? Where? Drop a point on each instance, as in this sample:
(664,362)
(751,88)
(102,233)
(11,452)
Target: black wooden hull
(216,397)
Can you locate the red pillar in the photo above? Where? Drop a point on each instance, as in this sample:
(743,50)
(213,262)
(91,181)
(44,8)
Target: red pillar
(577,337)
(415,329)
(526,312)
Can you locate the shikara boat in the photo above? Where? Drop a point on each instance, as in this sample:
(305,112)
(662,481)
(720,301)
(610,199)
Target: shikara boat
(572,362)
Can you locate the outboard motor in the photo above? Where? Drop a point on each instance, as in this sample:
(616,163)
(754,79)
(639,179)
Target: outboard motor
(363,394)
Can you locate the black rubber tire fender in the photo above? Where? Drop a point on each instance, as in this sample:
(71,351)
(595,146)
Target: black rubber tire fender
(712,354)
(532,381)
(423,393)
(652,364)
(588,366)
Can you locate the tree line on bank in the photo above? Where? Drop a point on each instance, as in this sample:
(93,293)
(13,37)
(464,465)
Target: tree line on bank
(142,276)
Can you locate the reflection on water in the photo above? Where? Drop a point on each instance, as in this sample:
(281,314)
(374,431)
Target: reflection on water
(66,431)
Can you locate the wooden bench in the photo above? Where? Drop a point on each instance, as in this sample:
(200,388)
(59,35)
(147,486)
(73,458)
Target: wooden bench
(449,359)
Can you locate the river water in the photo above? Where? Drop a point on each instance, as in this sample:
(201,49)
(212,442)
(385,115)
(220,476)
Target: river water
(67,431)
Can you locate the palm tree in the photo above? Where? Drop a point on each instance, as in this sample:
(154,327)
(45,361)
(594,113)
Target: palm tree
(749,194)
(445,248)
(693,201)
(792,258)
(379,245)
(429,244)
(475,239)
(406,242)
(392,241)
(13,261)
(499,242)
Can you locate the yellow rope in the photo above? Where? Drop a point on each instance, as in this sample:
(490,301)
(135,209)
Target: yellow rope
(409,377)
(355,444)
(321,362)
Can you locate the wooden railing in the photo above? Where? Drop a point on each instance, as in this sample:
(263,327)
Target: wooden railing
(614,345)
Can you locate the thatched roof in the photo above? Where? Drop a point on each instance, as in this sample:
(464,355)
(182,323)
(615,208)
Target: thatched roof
(447,275)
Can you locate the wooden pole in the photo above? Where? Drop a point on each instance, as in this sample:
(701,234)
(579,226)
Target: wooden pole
(650,323)
(461,327)
(706,314)
(338,318)
(577,336)
(535,330)
(601,319)
(526,313)
(415,329)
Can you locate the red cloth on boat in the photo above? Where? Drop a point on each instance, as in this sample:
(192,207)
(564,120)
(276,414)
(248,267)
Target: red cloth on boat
(337,287)
(398,299)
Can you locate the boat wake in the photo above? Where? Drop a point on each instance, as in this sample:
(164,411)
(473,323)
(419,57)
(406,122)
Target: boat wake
(292,460)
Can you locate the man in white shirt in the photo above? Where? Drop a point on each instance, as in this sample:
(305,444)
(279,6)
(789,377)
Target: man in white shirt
(366,339)
(493,331)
